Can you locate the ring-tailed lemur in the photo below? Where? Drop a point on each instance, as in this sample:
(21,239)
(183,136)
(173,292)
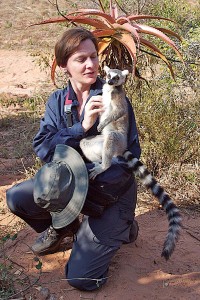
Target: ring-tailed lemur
(113,125)
(112,142)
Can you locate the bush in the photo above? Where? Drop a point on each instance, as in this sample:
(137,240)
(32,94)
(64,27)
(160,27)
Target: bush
(167,111)
(168,128)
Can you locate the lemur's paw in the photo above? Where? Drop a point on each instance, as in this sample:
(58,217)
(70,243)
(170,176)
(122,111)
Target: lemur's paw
(95,171)
(100,128)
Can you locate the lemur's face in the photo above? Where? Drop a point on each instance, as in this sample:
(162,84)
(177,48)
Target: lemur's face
(115,77)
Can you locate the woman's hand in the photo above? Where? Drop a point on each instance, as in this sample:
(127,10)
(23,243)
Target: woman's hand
(92,110)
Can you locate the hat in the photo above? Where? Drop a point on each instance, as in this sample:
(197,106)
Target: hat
(61,186)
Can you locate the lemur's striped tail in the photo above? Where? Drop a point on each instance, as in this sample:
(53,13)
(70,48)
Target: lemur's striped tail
(170,208)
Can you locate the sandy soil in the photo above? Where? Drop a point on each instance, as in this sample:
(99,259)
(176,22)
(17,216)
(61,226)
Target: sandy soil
(20,74)
(137,271)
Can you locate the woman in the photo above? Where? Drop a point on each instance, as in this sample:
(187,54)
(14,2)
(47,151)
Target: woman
(97,239)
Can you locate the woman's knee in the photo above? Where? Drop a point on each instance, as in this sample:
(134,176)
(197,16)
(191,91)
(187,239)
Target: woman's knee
(81,281)
(19,196)
(86,284)
(89,261)
(11,199)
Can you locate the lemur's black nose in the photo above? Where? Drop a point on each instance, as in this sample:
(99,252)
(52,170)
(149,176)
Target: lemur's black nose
(111,82)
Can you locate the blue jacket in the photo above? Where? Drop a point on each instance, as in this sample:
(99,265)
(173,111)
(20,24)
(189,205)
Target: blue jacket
(53,126)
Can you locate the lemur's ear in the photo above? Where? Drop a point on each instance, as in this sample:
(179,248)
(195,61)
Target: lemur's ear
(106,69)
(125,72)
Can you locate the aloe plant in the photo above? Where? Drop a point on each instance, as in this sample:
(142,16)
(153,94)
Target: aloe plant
(119,37)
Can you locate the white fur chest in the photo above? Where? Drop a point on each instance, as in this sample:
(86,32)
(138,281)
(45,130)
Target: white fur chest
(108,105)
(107,89)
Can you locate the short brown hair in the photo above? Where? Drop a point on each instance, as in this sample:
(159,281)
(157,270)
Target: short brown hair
(70,41)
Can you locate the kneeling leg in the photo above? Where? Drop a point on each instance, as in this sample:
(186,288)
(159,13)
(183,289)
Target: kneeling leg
(87,267)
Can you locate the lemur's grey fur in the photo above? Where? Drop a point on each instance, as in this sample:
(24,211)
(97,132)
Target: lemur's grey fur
(112,142)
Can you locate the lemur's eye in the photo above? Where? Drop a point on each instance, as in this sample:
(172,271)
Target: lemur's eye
(116,77)
(108,76)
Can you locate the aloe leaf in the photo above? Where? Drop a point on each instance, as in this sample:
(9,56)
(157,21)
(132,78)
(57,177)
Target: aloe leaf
(100,24)
(139,17)
(159,34)
(94,12)
(51,20)
(170,32)
(158,52)
(103,23)
(123,19)
(102,45)
(128,42)
(113,10)
(103,33)
(128,27)
(78,19)
(53,69)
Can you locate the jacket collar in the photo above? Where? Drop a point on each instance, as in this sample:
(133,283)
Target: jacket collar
(96,89)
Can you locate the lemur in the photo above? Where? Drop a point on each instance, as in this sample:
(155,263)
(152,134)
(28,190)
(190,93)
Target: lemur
(113,125)
(112,142)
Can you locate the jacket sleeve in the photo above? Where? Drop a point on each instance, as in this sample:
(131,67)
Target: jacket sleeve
(133,140)
(53,131)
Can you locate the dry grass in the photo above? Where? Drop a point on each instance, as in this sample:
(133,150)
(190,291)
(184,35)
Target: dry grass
(15,33)
(181,183)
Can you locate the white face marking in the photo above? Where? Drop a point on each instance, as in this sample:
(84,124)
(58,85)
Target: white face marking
(115,77)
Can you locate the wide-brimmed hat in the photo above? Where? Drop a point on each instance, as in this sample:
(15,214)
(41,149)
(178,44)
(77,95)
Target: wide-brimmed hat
(61,186)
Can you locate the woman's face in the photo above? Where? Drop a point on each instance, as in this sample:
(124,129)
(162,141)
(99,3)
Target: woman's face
(82,66)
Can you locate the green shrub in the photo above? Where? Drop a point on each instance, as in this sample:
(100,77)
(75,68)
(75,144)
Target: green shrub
(168,127)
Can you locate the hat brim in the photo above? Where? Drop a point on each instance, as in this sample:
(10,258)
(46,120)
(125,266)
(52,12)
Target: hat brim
(74,160)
